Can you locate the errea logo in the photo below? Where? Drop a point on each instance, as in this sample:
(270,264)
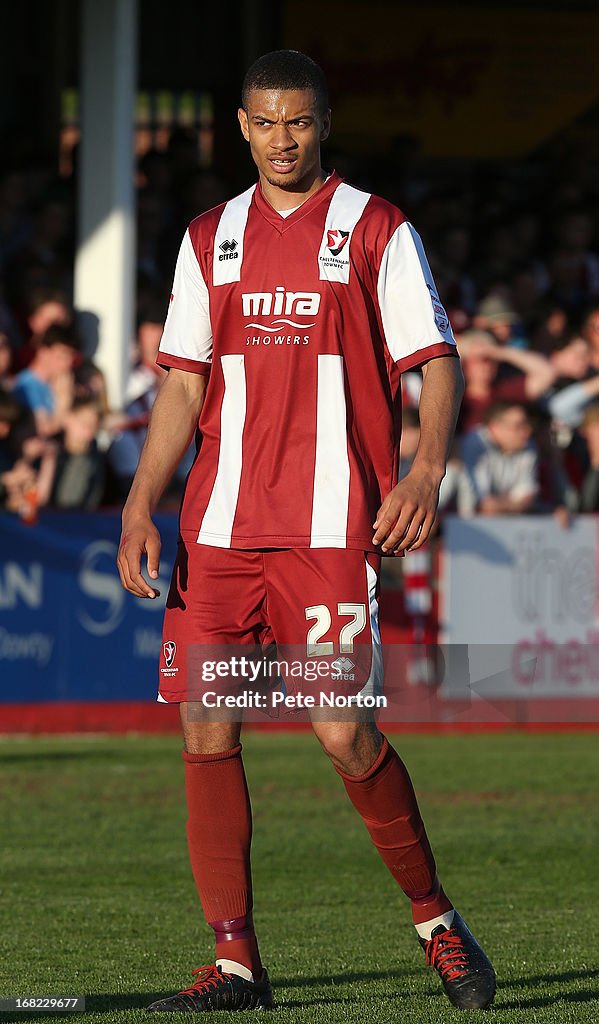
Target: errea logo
(228,250)
(281,303)
(342,668)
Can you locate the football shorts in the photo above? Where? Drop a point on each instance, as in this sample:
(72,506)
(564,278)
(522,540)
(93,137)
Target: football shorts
(284,623)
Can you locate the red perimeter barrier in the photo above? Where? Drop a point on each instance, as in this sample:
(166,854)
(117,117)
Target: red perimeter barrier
(147,717)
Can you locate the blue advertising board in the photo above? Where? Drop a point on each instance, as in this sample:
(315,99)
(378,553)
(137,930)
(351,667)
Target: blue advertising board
(68,630)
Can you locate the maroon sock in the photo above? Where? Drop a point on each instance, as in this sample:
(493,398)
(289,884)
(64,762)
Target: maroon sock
(219,835)
(385,798)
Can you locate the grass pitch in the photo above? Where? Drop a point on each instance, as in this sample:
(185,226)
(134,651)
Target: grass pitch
(97,899)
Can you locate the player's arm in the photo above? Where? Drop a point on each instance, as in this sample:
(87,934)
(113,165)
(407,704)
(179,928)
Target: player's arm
(172,425)
(407,514)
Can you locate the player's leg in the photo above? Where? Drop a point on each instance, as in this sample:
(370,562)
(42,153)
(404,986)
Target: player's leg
(375,778)
(379,786)
(219,834)
(219,822)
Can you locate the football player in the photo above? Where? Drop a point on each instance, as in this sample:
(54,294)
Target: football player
(295,308)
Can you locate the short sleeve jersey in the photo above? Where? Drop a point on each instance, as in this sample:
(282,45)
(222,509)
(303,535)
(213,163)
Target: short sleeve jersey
(304,324)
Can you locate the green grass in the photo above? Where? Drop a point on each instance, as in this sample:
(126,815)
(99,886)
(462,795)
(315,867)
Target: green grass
(96,895)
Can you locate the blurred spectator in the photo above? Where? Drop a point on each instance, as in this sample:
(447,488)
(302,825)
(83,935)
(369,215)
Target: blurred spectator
(570,359)
(549,325)
(456,493)
(5,360)
(146,376)
(568,404)
(589,491)
(11,411)
(79,473)
(26,485)
(557,495)
(46,307)
(589,330)
(46,386)
(145,379)
(502,462)
(89,382)
(495,315)
(482,358)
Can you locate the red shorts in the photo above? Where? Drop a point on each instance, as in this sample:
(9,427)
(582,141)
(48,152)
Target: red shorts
(319,606)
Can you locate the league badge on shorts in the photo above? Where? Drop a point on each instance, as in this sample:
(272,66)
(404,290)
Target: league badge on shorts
(170,650)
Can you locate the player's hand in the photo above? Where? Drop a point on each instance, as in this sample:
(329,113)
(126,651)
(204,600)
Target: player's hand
(139,537)
(406,517)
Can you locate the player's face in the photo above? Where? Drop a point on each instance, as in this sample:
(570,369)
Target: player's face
(285,129)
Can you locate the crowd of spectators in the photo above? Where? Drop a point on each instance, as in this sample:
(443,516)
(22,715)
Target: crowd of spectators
(515,252)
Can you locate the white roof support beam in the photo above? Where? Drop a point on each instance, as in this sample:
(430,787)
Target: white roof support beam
(105,262)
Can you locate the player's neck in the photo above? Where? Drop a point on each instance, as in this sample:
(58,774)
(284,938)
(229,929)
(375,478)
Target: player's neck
(282,199)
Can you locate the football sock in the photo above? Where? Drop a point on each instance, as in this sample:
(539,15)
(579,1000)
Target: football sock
(219,835)
(237,948)
(385,798)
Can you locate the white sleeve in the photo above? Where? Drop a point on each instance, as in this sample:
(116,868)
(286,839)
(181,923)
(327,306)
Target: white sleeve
(186,340)
(415,323)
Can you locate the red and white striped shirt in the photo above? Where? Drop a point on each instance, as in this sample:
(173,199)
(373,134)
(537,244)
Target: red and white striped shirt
(304,324)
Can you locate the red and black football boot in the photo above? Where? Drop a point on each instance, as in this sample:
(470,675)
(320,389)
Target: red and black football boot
(465,970)
(216,990)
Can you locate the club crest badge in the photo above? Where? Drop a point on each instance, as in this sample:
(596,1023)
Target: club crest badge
(336,241)
(170,650)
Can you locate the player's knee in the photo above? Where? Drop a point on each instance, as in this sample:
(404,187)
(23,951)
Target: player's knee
(205,737)
(351,746)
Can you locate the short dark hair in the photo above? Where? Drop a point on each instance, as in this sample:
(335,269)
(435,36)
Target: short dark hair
(60,334)
(85,402)
(38,297)
(286,69)
(500,406)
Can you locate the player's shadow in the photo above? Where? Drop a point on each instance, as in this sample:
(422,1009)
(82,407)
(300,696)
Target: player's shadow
(105,1002)
(342,979)
(588,995)
(531,981)
(329,983)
